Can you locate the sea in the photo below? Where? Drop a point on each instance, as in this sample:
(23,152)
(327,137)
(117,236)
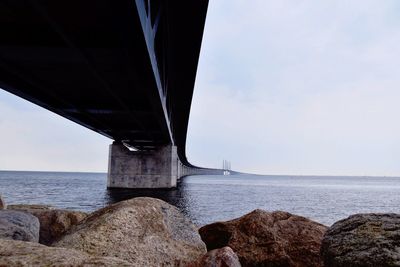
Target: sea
(209,198)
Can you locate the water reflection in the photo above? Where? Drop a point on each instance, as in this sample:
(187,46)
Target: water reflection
(171,196)
(175,196)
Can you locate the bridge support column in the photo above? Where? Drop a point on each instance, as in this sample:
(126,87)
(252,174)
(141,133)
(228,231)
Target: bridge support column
(142,169)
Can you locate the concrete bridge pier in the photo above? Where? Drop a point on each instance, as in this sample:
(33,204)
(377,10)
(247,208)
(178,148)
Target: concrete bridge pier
(142,169)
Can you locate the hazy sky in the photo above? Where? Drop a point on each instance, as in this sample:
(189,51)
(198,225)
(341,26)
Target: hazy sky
(283,87)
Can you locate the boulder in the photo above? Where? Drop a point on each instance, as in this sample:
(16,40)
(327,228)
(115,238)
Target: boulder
(263,238)
(143,231)
(18,225)
(3,204)
(53,222)
(363,240)
(26,254)
(222,257)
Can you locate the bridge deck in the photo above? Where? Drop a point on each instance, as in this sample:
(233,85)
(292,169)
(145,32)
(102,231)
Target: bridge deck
(124,69)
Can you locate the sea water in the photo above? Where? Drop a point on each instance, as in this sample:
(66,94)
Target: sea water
(209,198)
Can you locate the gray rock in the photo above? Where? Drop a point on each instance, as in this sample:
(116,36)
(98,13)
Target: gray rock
(3,205)
(363,240)
(53,222)
(142,231)
(18,225)
(26,254)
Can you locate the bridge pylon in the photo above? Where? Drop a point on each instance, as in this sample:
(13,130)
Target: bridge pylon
(142,169)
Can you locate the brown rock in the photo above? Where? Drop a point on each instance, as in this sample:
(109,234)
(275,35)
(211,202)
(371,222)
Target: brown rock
(363,240)
(222,257)
(25,207)
(263,238)
(31,207)
(142,231)
(53,223)
(27,254)
(3,204)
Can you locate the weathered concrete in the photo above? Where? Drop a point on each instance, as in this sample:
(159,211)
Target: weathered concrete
(142,169)
(160,168)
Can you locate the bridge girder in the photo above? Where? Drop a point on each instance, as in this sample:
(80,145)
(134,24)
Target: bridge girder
(125,69)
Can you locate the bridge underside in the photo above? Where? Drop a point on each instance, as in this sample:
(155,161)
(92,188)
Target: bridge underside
(125,69)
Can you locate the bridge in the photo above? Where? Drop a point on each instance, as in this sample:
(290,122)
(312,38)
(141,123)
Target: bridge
(125,69)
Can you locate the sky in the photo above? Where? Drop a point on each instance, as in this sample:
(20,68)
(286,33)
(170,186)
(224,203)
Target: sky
(283,87)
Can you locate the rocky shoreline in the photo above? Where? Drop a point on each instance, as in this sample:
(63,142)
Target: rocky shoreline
(149,232)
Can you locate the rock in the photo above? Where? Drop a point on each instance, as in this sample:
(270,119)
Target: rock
(363,240)
(143,231)
(3,204)
(18,225)
(222,257)
(262,238)
(25,207)
(26,254)
(53,222)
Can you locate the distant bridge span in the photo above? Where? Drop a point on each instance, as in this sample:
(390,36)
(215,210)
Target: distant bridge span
(125,69)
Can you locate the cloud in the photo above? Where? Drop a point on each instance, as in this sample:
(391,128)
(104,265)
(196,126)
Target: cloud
(299,87)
